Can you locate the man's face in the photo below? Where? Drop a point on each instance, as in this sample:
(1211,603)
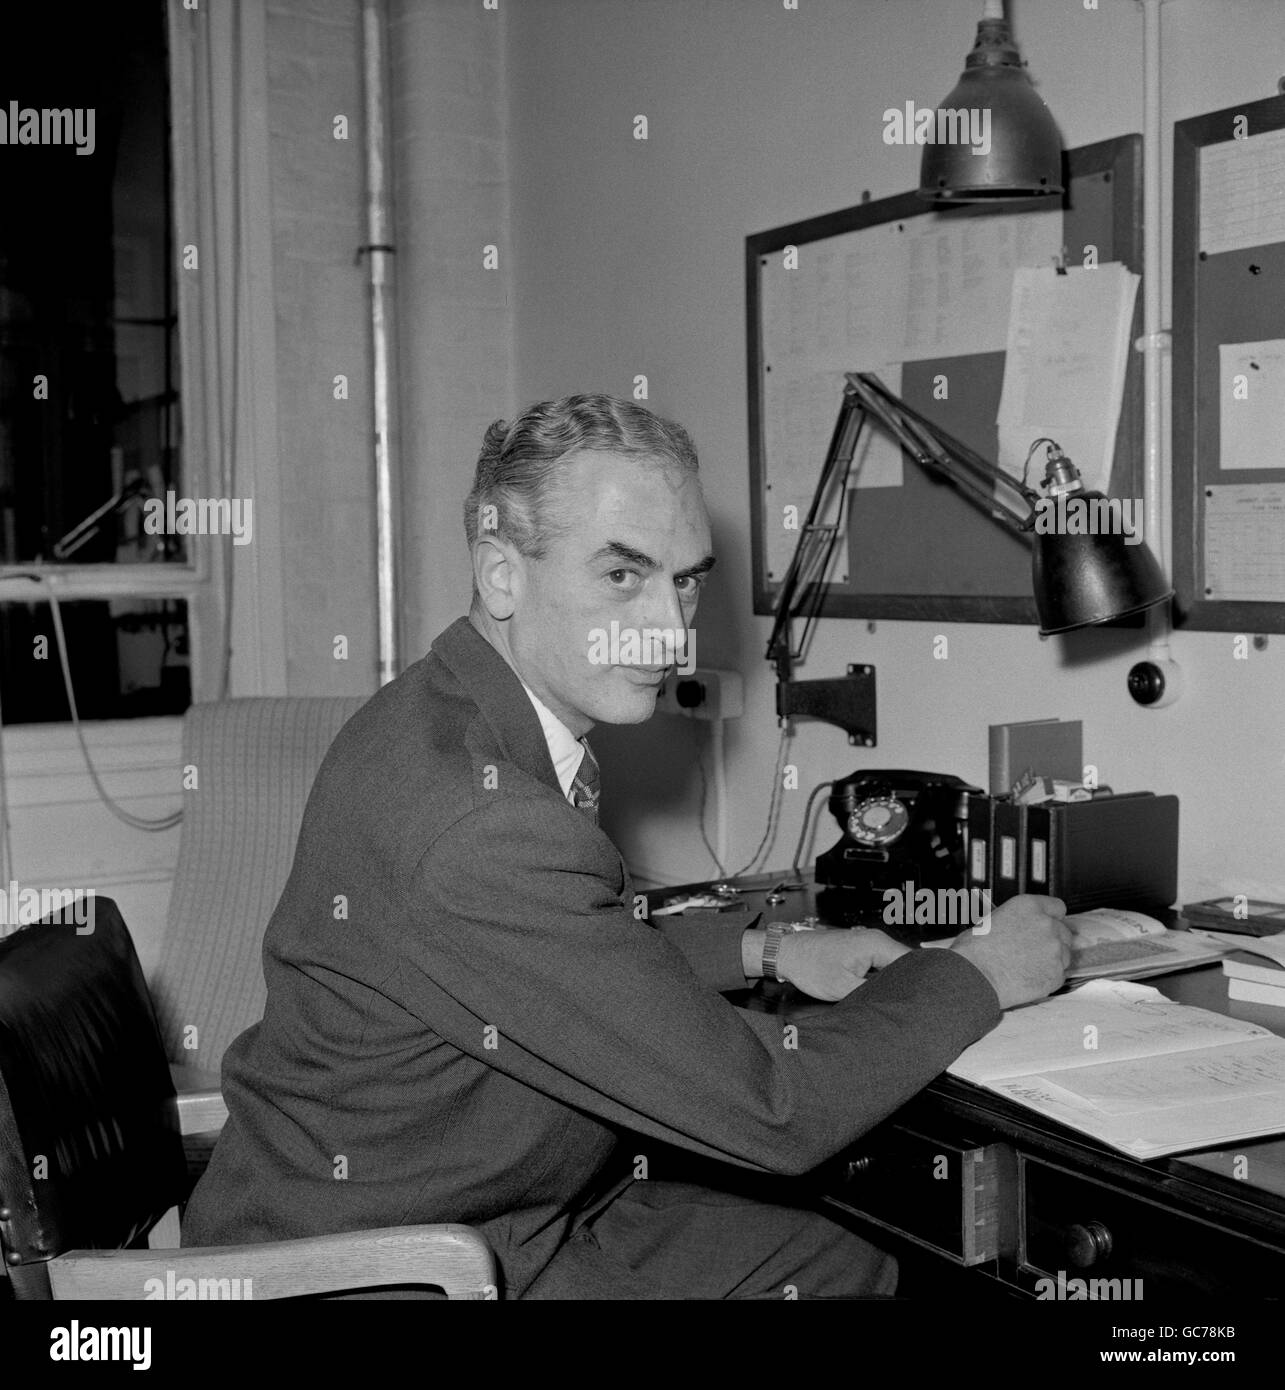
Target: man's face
(630,555)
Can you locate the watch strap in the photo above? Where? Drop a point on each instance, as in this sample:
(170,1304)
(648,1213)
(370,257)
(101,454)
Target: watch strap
(772,948)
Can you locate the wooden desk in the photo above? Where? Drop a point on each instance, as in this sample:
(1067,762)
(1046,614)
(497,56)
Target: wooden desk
(986,1185)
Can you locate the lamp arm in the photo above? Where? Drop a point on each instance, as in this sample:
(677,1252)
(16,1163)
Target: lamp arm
(843,446)
(1004,498)
(1008,500)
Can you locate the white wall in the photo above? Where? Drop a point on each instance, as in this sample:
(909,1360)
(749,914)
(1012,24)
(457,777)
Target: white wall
(455,317)
(627,258)
(318,219)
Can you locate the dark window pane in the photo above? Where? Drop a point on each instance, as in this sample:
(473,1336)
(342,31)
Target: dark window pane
(86,282)
(129,658)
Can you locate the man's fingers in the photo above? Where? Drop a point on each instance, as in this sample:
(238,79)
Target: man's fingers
(883,950)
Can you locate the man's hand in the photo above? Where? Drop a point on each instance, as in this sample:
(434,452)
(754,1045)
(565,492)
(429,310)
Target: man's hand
(1026,950)
(831,964)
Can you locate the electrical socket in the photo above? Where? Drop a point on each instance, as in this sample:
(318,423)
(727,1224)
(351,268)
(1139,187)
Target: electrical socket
(705,694)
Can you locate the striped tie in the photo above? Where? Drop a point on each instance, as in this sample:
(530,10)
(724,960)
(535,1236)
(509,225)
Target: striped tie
(585,785)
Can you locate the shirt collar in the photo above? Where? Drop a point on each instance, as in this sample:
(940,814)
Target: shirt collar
(565,749)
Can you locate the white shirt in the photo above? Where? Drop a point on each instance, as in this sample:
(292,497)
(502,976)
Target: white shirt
(565,749)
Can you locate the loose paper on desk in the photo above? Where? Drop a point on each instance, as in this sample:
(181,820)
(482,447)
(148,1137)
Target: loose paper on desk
(1068,347)
(1270,947)
(1251,404)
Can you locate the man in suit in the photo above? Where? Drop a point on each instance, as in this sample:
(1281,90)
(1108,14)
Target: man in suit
(466,1009)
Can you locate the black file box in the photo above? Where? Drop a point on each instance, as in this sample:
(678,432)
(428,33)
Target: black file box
(1117,851)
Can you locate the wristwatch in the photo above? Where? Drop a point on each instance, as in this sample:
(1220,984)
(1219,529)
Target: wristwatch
(772,946)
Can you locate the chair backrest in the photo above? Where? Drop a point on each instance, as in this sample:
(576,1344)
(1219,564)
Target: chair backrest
(90,1154)
(254,761)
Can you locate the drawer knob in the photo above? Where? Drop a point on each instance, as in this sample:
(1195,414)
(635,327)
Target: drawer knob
(1088,1243)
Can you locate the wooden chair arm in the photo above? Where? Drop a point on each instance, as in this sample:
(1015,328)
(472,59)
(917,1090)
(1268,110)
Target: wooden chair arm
(200,1101)
(201,1112)
(454,1258)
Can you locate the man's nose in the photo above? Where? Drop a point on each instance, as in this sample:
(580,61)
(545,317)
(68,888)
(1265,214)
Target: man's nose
(666,611)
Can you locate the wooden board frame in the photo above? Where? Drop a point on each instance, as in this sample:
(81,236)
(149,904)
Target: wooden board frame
(1239,292)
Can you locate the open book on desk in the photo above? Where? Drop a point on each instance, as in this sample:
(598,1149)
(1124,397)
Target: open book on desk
(1128,945)
(1121,1063)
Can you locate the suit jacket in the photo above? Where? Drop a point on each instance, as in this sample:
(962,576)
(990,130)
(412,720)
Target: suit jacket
(464,1011)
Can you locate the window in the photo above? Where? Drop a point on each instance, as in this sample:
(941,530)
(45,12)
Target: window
(89,369)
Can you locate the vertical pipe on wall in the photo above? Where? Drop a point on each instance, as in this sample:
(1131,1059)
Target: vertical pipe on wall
(1155,342)
(379,253)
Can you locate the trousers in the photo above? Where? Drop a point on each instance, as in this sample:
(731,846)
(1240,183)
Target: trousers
(678,1240)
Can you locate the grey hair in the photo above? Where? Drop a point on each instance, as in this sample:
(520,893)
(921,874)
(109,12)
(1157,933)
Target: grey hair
(521,460)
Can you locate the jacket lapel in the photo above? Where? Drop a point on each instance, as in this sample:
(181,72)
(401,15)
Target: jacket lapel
(496,690)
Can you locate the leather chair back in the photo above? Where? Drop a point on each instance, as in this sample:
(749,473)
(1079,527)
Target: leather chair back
(90,1154)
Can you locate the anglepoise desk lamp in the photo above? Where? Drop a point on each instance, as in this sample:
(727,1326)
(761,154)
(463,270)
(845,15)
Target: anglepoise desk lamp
(1081,576)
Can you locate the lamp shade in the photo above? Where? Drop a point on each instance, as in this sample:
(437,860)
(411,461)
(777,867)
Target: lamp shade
(1021,154)
(1080,580)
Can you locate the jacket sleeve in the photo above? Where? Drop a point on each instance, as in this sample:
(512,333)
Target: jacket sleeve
(518,951)
(711,944)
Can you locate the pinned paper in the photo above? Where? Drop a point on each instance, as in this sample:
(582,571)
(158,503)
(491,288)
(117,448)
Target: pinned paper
(1245,543)
(1251,404)
(1068,345)
(1242,193)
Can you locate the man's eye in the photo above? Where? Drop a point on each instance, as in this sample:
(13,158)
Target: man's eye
(623,579)
(690,584)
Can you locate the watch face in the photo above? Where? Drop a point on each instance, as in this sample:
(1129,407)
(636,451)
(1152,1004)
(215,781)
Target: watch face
(878,820)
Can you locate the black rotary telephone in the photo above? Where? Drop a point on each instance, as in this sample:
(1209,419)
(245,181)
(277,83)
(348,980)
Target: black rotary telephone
(898,826)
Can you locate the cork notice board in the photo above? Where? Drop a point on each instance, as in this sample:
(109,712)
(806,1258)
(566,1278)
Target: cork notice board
(1229,369)
(913,294)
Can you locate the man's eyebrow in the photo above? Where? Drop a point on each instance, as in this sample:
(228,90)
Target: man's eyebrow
(618,550)
(700,567)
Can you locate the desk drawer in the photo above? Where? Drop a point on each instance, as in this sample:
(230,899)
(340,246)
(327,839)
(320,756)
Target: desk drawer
(1087,1230)
(949,1197)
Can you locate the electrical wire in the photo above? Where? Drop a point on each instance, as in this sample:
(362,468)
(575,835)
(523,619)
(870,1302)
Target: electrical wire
(60,639)
(700,763)
(6,847)
(807,816)
(1030,454)
(774,806)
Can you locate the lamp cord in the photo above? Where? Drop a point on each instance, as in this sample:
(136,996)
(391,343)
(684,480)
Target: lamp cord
(700,763)
(1030,454)
(774,805)
(6,847)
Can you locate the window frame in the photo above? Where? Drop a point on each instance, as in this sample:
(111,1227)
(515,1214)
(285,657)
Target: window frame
(233,44)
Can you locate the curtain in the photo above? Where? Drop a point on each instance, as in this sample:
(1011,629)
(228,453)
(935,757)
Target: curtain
(227,336)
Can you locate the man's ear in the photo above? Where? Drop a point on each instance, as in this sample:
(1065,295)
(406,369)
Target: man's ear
(496,571)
